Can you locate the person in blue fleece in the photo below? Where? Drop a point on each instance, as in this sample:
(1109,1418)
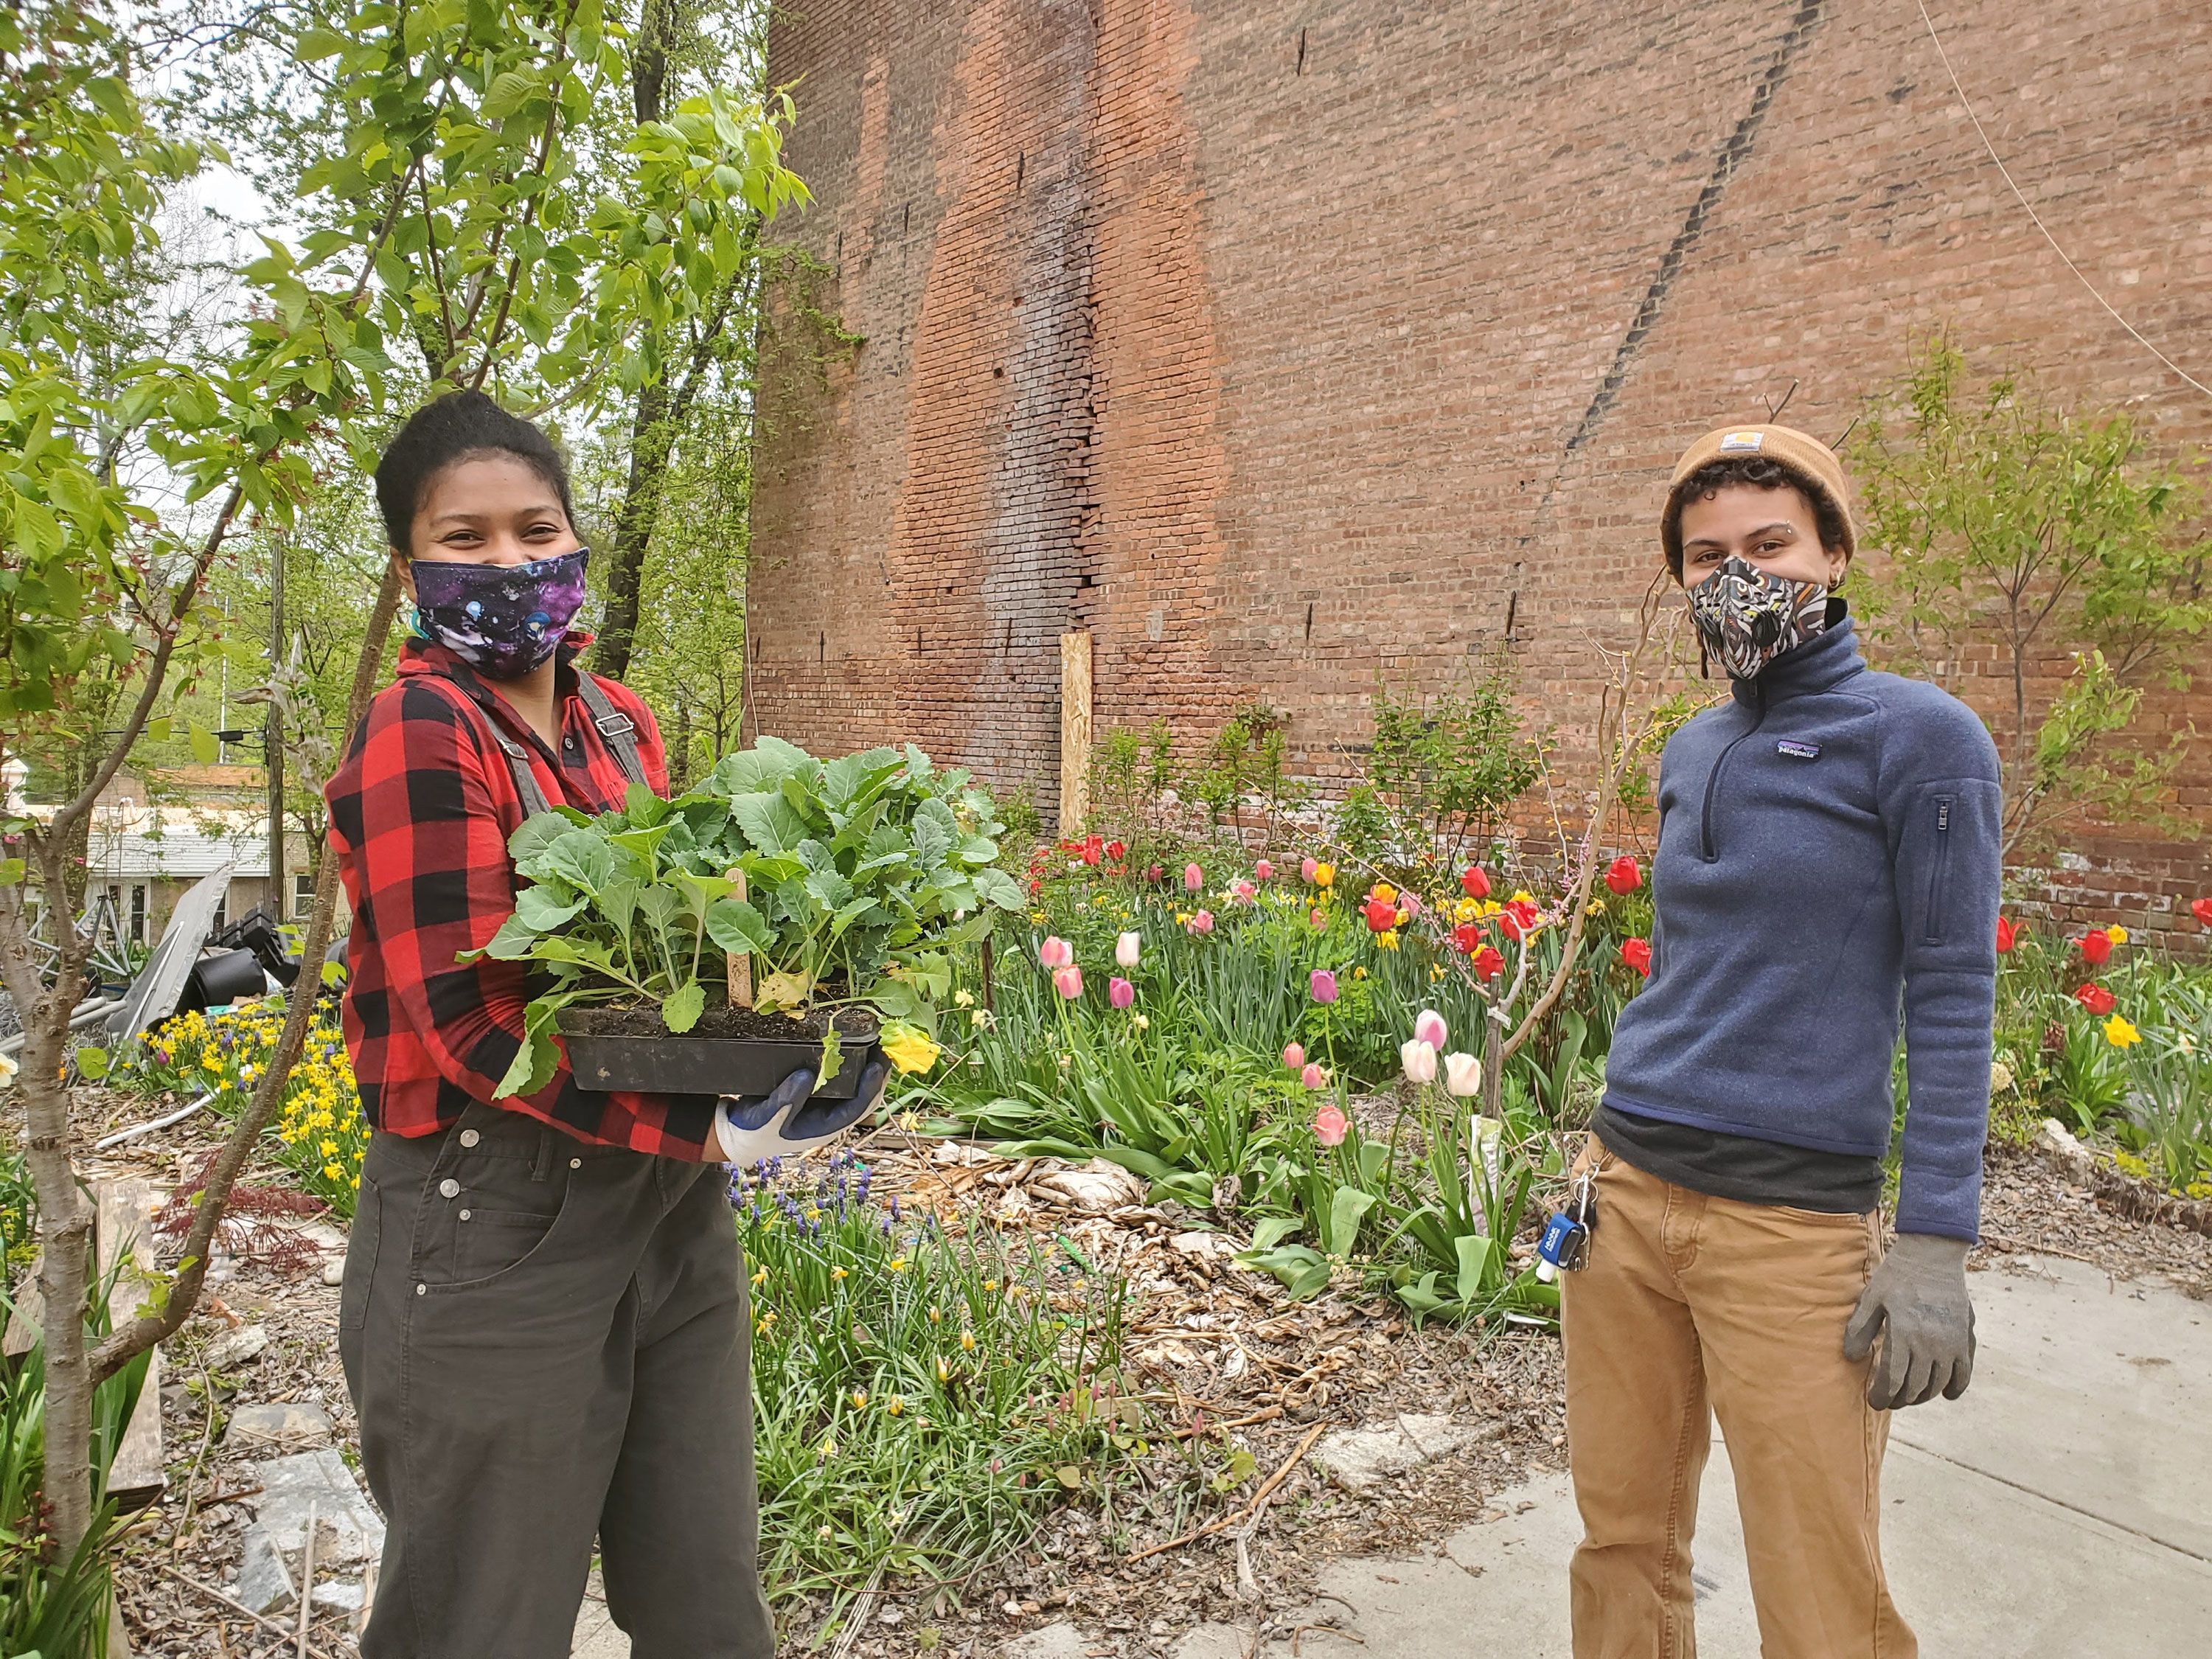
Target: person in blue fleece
(1826,876)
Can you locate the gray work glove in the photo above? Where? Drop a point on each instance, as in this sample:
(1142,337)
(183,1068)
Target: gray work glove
(784,1120)
(1917,1300)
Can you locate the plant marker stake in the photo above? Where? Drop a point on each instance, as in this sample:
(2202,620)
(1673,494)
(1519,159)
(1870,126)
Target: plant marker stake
(741,962)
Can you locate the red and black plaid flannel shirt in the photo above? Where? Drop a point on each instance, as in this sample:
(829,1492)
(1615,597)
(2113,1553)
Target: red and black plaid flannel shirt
(420,815)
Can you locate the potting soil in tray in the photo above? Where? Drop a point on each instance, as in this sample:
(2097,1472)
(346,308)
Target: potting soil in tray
(730,1051)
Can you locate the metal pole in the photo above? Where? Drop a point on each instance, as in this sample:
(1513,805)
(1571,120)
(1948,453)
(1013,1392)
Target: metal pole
(273,742)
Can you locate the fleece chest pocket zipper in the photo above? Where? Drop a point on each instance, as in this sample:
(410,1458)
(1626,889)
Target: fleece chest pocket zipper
(1939,867)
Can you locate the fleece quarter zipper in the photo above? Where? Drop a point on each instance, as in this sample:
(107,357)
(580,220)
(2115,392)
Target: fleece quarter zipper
(1713,778)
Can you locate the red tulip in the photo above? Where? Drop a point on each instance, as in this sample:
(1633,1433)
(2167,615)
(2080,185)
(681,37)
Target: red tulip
(1117,851)
(1488,963)
(1622,876)
(1467,937)
(1154,873)
(2095,947)
(2008,935)
(2096,999)
(1092,847)
(1381,917)
(1517,918)
(1636,953)
(2201,910)
(1474,883)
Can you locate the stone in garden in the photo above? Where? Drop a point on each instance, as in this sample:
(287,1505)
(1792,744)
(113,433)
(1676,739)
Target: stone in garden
(283,1426)
(1362,1459)
(342,1595)
(347,1530)
(334,1271)
(1053,1642)
(235,1347)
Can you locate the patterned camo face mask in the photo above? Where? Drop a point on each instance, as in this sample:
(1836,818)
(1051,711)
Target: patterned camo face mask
(502,620)
(1745,618)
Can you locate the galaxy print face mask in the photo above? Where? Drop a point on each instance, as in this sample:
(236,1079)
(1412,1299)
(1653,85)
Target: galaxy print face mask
(1746,618)
(502,620)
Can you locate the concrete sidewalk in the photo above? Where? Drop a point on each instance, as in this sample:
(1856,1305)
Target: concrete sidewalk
(2063,1509)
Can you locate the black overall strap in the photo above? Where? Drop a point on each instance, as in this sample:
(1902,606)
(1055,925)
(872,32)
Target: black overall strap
(616,729)
(518,756)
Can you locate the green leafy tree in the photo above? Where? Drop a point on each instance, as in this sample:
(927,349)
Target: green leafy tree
(460,209)
(2005,529)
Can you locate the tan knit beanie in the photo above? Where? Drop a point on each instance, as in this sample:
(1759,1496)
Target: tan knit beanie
(1812,466)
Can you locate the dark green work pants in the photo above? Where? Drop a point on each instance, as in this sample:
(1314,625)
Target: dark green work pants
(547,1342)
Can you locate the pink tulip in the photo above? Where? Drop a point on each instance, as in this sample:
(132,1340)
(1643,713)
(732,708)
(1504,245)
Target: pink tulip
(1312,1076)
(1306,868)
(1430,1028)
(1324,985)
(1409,905)
(1068,982)
(1331,1126)
(1242,891)
(1319,918)
(1120,992)
(1264,870)
(1201,924)
(1193,878)
(1056,952)
(1294,1056)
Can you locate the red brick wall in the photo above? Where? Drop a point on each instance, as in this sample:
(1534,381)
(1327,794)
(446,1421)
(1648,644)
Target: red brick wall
(1282,345)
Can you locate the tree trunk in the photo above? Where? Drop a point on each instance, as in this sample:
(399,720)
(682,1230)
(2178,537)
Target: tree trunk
(650,436)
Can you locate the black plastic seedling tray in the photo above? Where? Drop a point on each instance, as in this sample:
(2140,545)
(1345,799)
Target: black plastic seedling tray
(664,1063)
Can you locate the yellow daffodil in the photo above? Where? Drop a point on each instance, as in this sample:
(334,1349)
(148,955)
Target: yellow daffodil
(1387,940)
(2120,1034)
(897,1264)
(2117,933)
(944,1371)
(860,1400)
(894,1405)
(838,1275)
(963,998)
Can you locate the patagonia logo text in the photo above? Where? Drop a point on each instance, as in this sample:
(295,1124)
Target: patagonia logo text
(1736,443)
(1798,751)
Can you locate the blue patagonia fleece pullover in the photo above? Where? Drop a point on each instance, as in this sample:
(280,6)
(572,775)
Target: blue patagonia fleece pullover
(1829,853)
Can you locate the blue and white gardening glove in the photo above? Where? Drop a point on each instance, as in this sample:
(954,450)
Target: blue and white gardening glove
(786,1120)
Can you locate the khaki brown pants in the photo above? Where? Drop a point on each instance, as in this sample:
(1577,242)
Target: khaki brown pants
(1692,1305)
(547,1343)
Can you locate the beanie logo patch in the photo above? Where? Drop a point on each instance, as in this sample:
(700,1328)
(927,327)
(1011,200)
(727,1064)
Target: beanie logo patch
(1738,443)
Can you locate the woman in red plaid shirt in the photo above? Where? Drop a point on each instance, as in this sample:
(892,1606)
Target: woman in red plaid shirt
(543,1322)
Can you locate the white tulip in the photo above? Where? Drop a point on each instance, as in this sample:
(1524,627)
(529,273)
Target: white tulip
(1419,1059)
(1462,1074)
(1126,949)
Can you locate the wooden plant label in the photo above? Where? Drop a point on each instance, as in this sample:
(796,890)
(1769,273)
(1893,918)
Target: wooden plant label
(741,962)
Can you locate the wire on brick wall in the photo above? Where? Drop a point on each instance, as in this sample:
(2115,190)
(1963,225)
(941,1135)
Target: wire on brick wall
(1966,104)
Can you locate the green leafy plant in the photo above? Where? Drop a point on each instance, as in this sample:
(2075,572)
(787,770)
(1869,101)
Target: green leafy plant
(1447,771)
(861,873)
(2170,1104)
(2008,530)
(922,1400)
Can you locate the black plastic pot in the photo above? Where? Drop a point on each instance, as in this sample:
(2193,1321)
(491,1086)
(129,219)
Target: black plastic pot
(665,1063)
